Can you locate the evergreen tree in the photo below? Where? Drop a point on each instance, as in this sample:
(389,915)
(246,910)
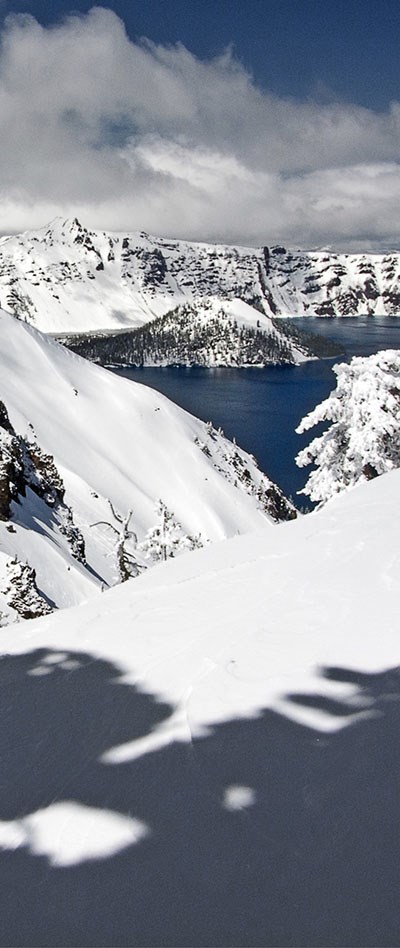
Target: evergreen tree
(167,538)
(363,439)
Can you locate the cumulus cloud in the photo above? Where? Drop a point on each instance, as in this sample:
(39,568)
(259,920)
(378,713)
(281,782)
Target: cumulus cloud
(140,136)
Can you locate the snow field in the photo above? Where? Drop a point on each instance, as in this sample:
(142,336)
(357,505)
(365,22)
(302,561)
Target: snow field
(114,442)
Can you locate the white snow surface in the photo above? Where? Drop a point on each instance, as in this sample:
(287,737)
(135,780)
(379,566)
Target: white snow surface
(233,640)
(240,626)
(112,440)
(69,833)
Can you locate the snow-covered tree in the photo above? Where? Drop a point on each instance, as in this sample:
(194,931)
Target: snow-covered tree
(167,538)
(363,439)
(128,568)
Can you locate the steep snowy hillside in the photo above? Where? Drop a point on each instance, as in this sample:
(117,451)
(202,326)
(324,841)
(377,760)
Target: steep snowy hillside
(85,459)
(65,278)
(208,755)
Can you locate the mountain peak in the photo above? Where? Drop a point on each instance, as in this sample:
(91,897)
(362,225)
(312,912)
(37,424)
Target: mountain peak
(61,227)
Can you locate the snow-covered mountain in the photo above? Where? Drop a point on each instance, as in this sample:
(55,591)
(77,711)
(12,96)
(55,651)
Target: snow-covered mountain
(66,278)
(208,755)
(85,458)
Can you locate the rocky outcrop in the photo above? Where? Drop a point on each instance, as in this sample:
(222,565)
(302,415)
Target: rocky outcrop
(21,593)
(12,480)
(23,465)
(233,464)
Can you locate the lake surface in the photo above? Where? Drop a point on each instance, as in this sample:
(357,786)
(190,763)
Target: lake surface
(262,407)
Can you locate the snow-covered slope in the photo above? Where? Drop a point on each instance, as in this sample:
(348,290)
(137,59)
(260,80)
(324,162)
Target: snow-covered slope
(268,610)
(65,278)
(238,784)
(117,447)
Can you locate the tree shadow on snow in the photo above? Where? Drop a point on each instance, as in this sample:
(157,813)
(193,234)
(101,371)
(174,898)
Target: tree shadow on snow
(308,854)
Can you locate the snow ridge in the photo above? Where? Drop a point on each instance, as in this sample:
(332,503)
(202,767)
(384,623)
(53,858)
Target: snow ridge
(66,278)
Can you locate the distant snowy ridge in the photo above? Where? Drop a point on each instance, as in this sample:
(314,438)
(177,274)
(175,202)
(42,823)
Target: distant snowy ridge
(66,278)
(86,458)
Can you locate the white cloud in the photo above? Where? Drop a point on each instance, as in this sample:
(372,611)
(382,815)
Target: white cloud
(139,136)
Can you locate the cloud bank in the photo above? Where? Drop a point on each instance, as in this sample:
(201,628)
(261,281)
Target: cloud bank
(133,136)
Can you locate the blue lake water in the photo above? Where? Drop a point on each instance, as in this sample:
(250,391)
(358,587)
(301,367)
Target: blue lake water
(262,407)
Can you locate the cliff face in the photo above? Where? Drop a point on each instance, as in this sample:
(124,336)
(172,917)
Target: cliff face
(24,464)
(65,278)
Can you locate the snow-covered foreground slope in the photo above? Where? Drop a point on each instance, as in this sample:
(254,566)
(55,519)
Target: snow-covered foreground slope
(208,754)
(115,441)
(230,630)
(65,278)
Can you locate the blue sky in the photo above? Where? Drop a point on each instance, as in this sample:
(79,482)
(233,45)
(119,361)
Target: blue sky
(345,49)
(293,135)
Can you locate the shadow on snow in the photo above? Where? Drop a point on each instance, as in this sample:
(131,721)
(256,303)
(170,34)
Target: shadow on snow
(313,861)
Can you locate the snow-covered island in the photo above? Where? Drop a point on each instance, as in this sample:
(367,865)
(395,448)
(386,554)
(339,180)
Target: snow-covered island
(208,333)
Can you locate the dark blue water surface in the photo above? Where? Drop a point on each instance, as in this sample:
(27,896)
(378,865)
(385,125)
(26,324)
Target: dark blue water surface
(262,407)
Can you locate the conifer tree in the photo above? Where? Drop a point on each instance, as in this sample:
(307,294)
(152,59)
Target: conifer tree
(363,439)
(167,538)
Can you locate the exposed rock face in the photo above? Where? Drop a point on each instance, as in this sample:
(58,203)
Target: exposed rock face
(44,477)
(12,480)
(231,462)
(66,278)
(4,419)
(277,505)
(21,592)
(24,464)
